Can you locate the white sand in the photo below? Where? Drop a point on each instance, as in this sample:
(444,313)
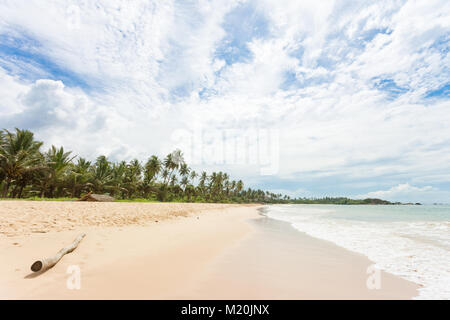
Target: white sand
(194,251)
(26,217)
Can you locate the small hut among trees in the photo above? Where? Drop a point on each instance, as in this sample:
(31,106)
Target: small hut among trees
(97,197)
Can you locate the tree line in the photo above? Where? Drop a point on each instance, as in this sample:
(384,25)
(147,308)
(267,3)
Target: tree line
(28,171)
(341,200)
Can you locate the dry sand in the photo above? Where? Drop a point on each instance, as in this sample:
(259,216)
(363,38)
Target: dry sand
(26,217)
(194,251)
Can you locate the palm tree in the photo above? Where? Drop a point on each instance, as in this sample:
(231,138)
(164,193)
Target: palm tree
(202,183)
(165,175)
(19,156)
(233,187)
(184,169)
(193,175)
(212,183)
(192,189)
(169,166)
(152,168)
(117,179)
(203,177)
(133,177)
(78,177)
(2,141)
(57,160)
(239,186)
(184,182)
(172,162)
(173,180)
(102,172)
(24,170)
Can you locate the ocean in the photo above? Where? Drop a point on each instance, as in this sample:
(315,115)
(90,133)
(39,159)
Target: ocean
(412,242)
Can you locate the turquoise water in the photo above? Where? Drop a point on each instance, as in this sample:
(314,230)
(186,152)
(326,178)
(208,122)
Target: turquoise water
(410,241)
(389,213)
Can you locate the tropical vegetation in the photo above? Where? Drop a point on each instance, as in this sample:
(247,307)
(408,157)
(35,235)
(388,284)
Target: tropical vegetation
(340,200)
(28,172)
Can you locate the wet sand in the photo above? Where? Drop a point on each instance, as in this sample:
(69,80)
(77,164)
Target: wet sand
(279,262)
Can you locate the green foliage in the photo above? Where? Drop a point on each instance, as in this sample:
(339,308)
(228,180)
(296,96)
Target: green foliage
(340,200)
(28,173)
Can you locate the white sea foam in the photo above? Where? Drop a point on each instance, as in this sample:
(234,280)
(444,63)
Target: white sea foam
(418,251)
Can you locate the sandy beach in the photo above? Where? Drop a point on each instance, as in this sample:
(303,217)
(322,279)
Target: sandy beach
(176,251)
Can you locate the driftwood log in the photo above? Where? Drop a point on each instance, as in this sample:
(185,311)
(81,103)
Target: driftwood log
(47,263)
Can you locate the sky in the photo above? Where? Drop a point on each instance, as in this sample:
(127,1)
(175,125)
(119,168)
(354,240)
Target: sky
(306,98)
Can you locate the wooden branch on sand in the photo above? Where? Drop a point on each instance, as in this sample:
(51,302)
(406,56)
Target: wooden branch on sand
(47,263)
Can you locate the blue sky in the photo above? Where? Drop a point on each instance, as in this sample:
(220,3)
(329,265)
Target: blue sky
(353,95)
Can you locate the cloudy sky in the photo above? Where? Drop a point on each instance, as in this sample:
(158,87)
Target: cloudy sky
(345,97)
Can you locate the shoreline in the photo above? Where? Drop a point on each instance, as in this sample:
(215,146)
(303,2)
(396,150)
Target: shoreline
(220,252)
(278,261)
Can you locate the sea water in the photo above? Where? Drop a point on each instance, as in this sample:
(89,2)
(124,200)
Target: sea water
(412,242)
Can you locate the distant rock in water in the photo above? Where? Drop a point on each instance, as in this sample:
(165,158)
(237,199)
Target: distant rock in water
(97,198)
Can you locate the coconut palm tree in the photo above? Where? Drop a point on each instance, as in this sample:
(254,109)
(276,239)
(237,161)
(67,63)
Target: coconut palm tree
(19,156)
(57,161)
(117,179)
(24,170)
(78,178)
(193,175)
(239,186)
(169,166)
(184,169)
(2,172)
(133,177)
(173,180)
(102,174)
(202,183)
(165,175)
(184,182)
(152,168)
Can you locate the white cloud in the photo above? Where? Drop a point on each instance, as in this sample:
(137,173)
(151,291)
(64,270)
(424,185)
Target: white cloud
(409,193)
(9,88)
(298,193)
